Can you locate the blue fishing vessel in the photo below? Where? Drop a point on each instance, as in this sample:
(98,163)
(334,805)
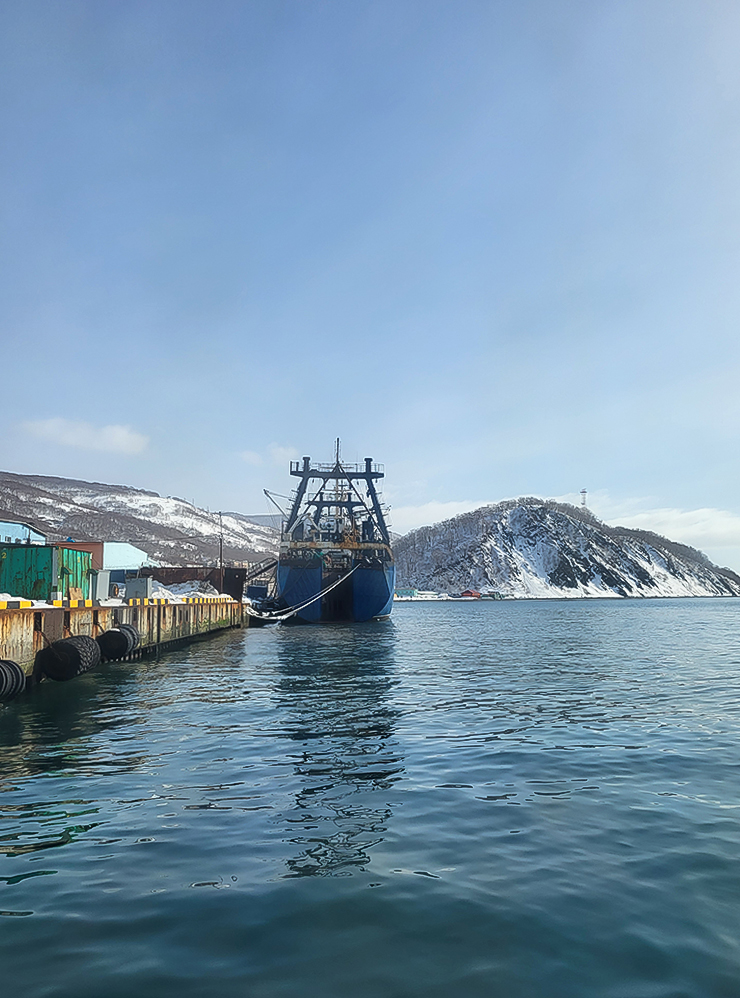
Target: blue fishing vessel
(335,561)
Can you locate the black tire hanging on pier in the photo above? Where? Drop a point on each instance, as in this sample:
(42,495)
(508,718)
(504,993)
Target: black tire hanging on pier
(68,658)
(119,642)
(114,644)
(12,679)
(134,634)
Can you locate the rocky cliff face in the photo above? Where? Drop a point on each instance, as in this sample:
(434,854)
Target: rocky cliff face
(535,548)
(171,531)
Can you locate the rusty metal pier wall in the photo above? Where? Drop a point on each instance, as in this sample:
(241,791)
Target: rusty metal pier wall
(25,630)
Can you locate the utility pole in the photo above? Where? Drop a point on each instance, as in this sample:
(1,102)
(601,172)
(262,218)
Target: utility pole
(221,550)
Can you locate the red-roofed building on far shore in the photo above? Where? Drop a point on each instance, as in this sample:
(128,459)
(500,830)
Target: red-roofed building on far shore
(471,594)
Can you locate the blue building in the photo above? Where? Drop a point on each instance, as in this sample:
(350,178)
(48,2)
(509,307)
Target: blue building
(18,532)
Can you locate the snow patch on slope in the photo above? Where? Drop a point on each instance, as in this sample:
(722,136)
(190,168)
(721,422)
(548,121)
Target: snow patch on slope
(531,548)
(171,530)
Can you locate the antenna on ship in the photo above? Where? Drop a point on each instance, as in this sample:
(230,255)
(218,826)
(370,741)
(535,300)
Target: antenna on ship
(337,450)
(584,493)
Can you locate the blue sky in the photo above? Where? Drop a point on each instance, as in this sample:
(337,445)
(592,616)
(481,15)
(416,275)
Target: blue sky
(493,245)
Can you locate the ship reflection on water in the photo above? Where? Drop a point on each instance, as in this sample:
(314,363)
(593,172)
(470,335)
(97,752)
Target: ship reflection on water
(336,692)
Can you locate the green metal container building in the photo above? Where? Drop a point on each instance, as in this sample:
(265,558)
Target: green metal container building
(35,571)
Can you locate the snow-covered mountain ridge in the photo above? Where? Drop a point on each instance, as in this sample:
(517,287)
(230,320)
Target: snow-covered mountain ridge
(534,548)
(171,531)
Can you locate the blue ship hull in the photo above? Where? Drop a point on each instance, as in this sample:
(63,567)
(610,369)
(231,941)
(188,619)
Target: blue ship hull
(367,593)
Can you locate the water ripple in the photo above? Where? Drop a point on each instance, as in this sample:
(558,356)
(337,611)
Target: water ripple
(543,798)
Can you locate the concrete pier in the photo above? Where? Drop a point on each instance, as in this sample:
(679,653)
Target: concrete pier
(25,630)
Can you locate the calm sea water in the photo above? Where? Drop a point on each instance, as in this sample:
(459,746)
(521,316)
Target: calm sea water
(514,799)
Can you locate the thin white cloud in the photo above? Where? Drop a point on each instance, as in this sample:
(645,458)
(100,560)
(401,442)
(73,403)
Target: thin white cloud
(698,527)
(276,454)
(282,455)
(405,518)
(114,439)
(716,532)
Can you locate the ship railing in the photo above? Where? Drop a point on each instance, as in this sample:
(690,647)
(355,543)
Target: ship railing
(296,467)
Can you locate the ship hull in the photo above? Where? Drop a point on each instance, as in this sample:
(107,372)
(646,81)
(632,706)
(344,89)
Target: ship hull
(366,594)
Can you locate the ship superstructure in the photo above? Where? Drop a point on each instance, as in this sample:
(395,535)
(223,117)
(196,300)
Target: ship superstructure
(335,560)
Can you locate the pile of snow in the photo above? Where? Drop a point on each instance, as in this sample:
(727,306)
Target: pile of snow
(35,603)
(195,588)
(159,592)
(174,594)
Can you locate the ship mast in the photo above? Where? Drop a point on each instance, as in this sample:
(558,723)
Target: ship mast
(337,492)
(338,502)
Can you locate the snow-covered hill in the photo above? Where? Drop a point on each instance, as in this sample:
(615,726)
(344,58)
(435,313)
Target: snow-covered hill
(536,548)
(172,531)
